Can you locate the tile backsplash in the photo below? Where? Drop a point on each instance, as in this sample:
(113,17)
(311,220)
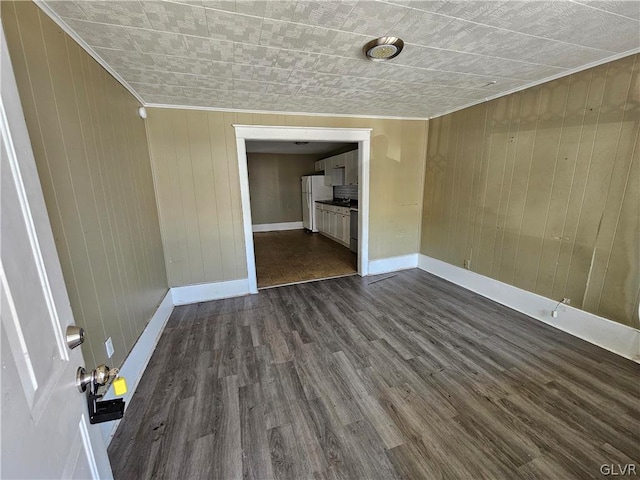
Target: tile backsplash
(346,191)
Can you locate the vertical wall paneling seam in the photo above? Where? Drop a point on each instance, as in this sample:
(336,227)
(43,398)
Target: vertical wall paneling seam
(573,174)
(57,212)
(428,205)
(516,135)
(124,234)
(615,157)
(161,221)
(181,196)
(553,183)
(584,191)
(193,184)
(453,210)
(510,103)
(465,193)
(63,143)
(129,185)
(468,193)
(163,157)
(526,192)
(446,207)
(214,194)
(132,117)
(423,186)
(480,211)
(92,180)
(136,226)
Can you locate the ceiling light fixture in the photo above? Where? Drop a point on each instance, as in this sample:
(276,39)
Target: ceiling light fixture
(301,143)
(383,48)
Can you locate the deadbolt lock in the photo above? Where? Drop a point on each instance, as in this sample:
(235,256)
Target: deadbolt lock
(75,336)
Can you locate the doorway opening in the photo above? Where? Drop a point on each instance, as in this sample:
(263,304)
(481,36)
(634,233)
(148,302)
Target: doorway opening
(303,196)
(246,138)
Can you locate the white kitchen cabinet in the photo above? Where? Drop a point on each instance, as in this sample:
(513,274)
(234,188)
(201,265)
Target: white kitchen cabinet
(346,228)
(320,166)
(334,222)
(351,168)
(334,177)
(336,161)
(326,221)
(319,218)
(339,219)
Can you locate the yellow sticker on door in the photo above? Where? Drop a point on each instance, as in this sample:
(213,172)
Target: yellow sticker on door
(119,386)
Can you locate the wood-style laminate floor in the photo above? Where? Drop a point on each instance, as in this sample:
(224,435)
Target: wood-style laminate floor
(296,256)
(401,376)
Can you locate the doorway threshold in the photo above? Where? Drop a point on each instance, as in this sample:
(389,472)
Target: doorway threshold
(307,281)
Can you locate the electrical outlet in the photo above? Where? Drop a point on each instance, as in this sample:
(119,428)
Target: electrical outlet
(467,264)
(109,346)
(566,301)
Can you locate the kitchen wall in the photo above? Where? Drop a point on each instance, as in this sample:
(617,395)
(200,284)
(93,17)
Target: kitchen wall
(275,187)
(541,189)
(91,153)
(194,160)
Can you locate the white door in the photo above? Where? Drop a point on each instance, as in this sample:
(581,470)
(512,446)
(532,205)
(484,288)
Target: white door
(45,427)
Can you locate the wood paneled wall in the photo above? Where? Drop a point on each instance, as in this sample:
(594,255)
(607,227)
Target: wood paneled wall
(92,157)
(541,189)
(194,160)
(275,186)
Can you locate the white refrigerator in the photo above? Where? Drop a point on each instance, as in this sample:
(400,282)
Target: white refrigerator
(313,189)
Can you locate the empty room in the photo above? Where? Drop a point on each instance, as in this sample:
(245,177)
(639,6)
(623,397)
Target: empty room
(313,239)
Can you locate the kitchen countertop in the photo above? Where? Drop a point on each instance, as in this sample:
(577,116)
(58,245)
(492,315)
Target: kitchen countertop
(353,205)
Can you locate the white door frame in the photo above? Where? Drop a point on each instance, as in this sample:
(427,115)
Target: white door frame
(361,136)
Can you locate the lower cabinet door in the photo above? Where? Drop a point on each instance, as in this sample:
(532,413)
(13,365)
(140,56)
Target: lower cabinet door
(346,232)
(339,226)
(319,219)
(333,219)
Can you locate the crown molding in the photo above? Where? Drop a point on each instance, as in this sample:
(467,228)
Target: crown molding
(278,112)
(85,46)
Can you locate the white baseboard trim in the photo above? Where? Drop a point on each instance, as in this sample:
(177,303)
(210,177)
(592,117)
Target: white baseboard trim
(393,264)
(137,360)
(203,292)
(605,333)
(276,227)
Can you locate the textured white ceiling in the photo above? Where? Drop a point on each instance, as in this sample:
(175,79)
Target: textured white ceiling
(306,56)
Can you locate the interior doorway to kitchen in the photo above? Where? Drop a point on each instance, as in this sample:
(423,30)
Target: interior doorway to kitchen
(302,197)
(361,136)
